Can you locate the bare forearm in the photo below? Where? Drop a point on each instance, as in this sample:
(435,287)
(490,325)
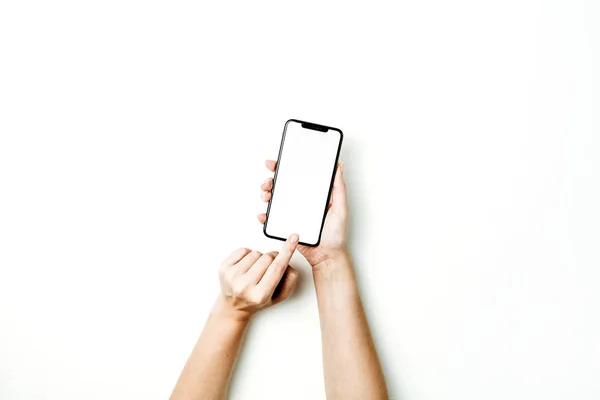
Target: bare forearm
(350,363)
(208,369)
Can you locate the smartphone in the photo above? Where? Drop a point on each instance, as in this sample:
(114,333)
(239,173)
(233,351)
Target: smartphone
(306,165)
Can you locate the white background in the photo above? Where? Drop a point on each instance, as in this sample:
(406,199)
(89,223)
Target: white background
(132,139)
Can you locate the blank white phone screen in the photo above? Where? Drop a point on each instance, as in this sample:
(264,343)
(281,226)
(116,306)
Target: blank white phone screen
(304,173)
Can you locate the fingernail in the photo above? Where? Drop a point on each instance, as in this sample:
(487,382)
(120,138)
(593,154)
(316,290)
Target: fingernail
(342,167)
(294,239)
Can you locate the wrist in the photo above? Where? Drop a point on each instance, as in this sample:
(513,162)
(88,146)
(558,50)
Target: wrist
(334,279)
(223,310)
(339,260)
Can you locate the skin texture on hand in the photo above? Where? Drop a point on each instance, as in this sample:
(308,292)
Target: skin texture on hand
(333,238)
(250,281)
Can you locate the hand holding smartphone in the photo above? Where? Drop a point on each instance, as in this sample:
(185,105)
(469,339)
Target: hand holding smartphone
(303,180)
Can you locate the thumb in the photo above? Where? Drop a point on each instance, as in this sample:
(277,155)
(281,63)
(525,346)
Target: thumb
(286,286)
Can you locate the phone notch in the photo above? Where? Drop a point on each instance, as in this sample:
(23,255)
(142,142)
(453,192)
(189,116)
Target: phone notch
(314,127)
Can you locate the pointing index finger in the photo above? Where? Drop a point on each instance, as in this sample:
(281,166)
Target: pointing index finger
(275,272)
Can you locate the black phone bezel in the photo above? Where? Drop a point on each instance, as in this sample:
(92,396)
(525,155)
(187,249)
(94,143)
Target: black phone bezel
(317,127)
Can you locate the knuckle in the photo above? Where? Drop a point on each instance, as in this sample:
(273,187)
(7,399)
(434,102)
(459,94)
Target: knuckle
(238,288)
(235,253)
(222,269)
(228,275)
(257,298)
(223,275)
(280,265)
(256,253)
